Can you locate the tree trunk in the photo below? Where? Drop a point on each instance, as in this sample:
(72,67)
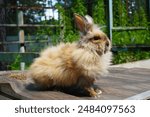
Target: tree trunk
(2,29)
(90,7)
(148,10)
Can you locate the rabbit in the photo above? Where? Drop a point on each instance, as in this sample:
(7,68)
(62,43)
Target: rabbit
(75,64)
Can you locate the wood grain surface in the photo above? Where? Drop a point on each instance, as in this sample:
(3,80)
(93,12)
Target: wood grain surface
(119,83)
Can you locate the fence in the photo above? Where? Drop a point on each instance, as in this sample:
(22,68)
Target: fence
(112,28)
(18,47)
(141,13)
(23,26)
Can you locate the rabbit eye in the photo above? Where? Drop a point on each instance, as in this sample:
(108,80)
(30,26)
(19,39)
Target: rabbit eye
(96,38)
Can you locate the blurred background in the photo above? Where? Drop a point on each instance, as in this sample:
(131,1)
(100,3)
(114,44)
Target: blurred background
(28,26)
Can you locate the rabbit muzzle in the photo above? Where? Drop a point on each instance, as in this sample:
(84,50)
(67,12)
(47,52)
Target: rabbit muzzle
(102,46)
(107,46)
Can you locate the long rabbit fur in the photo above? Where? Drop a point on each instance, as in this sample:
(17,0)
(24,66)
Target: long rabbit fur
(78,63)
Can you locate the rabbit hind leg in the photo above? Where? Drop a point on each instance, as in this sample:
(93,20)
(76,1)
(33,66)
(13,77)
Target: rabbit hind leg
(45,82)
(88,85)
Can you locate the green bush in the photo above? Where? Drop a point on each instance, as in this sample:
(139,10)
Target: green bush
(137,18)
(131,37)
(130,56)
(121,18)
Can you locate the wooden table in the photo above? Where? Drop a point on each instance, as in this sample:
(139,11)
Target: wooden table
(120,83)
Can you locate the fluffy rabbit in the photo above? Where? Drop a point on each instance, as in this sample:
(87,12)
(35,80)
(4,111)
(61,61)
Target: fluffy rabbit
(75,64)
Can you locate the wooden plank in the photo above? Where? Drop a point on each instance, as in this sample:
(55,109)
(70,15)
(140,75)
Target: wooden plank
(129,28)
(17,42)
(21,36)
(29,25)
(28,38)
(131,48)
(27,7)
(20,18)
(120,83)
(4,98)
(22,90)
(11,56)
(141,96)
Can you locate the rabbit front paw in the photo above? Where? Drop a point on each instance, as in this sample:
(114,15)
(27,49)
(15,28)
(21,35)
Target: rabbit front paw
(98,92)
(94,92)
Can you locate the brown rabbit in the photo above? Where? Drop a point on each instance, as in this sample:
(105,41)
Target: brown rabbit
(79,63)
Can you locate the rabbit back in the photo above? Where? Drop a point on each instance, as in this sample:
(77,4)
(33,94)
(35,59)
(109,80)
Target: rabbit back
(55,66)
(65,64)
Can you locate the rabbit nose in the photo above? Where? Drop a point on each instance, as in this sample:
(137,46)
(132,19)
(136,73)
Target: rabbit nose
(107,46)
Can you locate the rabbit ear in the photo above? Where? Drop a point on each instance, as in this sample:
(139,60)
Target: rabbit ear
(89,21)
(84,24)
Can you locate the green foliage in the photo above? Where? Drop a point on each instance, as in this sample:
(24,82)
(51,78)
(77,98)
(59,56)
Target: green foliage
(99,15)
(120,14)
(66,13)
(124,57)
(142,17)
(121,18)
(135,19)
(131,37)
(78,6)
(117,11)
(16,64)
(65,21)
